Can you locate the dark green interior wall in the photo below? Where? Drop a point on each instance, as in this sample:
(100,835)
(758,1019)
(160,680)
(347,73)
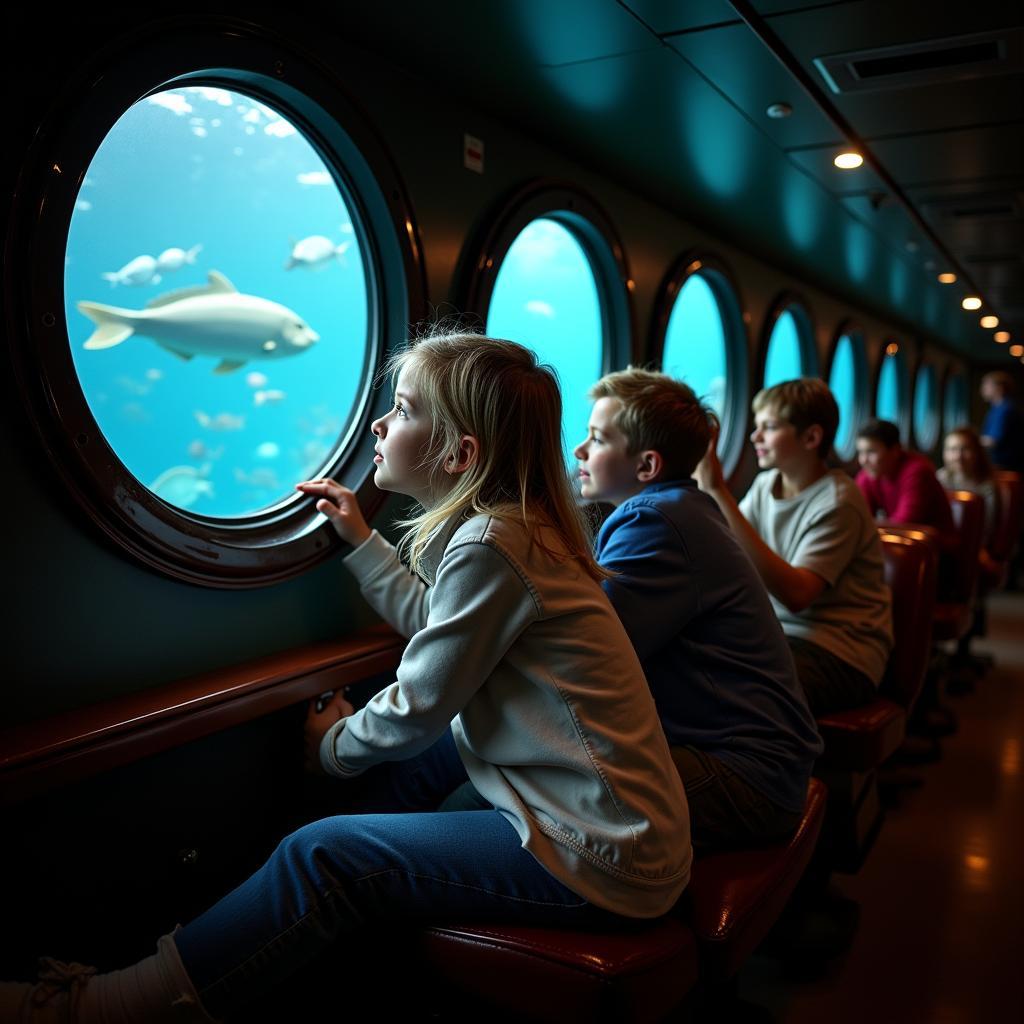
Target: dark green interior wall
(88,624)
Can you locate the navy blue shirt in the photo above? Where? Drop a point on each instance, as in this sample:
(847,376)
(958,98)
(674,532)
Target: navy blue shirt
(1004,423)
(711,647)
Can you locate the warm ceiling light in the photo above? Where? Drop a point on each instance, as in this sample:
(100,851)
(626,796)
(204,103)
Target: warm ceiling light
(1002,337)
(971,302)
(848,161)
(892,348)
(947,278)
(1017,350)
(989,321)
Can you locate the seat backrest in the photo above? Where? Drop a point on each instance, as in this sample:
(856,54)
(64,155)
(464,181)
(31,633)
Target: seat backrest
(1010,488)
(911,567)
(969,519)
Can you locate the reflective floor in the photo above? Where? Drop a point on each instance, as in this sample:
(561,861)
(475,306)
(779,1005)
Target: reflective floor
(941,935)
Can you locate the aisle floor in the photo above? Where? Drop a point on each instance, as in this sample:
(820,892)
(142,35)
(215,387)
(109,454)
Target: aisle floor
(941,930)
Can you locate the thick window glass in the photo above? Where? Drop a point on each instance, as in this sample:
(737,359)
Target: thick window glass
(217,301)
(955,411)
(890,399)
(785,357)
(695,343)
(546,297)
(844,382)
(926,416)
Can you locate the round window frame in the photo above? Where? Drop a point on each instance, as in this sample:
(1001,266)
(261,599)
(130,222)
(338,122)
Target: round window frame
(593,230)
(855,332)
(790,302)
(290,537)
(935,412)
(955,370)
(905,422)
(723,284)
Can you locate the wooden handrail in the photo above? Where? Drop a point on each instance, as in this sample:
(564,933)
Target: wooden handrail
(77,744)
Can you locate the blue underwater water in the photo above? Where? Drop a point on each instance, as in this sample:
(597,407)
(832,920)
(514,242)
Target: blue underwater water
(205,167)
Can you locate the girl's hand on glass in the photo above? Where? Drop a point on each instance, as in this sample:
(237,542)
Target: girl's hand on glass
(339,504)
(709,474)
(317,724)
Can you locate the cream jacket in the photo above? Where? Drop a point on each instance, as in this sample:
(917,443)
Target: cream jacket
(527,661)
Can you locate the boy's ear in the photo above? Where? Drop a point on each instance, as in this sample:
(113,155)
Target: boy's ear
(649,465)
(466,456)
(811,437)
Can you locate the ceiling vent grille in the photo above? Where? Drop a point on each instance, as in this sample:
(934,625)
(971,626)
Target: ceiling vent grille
(935,60)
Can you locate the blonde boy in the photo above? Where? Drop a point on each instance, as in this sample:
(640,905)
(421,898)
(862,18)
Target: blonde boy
(808,531)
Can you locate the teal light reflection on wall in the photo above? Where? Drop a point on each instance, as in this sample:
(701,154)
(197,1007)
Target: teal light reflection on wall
(783,361)
(545,297)
(857,250)
(889,399)
(803,210)
(715,141)
(695,344)
(954,408)
(842,381)
(926,420)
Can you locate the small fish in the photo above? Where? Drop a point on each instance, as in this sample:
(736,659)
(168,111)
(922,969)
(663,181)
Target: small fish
(271,397)
(175,259)
(222,421)
(182,485)
(540,308)
(315,252)
(198,450)
(139,271)
(214,319)
(255,379)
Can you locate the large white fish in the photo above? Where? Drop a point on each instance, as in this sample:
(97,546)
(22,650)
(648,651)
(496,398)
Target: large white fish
(315,252)
(182,485)
(214,319)
(175,259)
(141,270)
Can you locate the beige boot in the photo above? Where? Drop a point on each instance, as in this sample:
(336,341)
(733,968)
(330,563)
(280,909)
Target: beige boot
(156,990)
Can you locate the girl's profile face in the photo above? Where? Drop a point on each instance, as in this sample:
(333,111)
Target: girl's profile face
(403,436)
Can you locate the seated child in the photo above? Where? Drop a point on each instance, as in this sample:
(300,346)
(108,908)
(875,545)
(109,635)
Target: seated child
(808,531)
(901,485)
(715,658)
(515,653)
(966,467)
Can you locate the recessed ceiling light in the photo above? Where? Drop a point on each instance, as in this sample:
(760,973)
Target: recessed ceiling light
(1017,350)
(947,278)
(989,321)
(779,110)
(892,348)
(971,302)
(1001,336)
(848,161)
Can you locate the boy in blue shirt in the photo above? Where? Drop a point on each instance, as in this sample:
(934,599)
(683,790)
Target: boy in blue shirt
(695,608)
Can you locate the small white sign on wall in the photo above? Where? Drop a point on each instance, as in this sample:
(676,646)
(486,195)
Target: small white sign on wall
(473,153)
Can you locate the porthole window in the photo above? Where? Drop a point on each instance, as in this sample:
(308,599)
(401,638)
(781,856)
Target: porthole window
(846,382)
(552,277)
(790,350)
(217,303)
(891,394)
(212,267)
(699,334)
(955,410)
(926,413)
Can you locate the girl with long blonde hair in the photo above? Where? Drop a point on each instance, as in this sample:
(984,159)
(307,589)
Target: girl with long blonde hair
(518,683)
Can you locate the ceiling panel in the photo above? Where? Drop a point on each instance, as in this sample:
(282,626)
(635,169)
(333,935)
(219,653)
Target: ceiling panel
(665,16)
(751,77)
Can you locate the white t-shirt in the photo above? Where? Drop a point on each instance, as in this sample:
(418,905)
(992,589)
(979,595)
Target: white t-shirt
(828,529)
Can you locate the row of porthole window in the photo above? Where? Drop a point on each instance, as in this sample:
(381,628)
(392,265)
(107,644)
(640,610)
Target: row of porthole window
(240,328)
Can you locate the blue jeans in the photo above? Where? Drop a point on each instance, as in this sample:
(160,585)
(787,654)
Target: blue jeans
(333,877)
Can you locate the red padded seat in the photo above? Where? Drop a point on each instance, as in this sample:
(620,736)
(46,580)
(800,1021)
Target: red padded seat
(953,619)
(549,974)
(994,569)
(735,897)
(862,739)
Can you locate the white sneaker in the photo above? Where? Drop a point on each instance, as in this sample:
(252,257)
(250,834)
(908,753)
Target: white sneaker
(53,999)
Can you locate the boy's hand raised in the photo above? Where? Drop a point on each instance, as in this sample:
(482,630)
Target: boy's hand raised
(340,506)
(709,474)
